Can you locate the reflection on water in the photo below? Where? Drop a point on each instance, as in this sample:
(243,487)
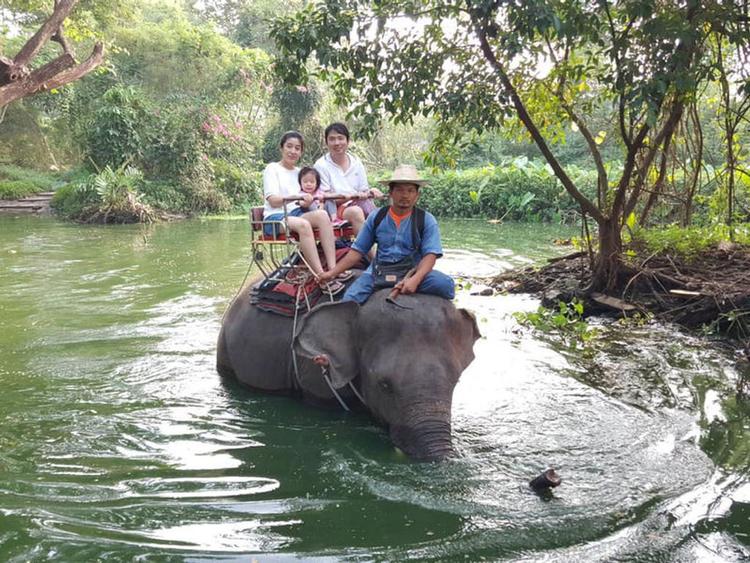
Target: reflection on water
(119,441)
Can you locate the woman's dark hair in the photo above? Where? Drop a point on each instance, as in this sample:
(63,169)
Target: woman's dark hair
(306,170)
(292,135)
(337,127)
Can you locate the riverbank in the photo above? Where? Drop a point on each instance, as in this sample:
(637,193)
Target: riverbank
(709,290)
(38,203)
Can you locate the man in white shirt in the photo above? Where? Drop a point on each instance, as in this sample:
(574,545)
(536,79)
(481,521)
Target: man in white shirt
(343,173)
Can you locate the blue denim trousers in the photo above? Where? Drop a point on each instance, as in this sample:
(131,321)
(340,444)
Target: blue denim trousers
(434,283)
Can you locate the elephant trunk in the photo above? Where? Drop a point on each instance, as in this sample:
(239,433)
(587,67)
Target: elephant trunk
(425,434)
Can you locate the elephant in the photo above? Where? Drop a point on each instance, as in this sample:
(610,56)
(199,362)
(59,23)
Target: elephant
(401,361)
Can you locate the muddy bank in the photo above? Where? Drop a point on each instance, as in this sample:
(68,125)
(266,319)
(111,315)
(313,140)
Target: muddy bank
(711,288)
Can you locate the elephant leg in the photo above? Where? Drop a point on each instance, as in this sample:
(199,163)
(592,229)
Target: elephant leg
(222,357)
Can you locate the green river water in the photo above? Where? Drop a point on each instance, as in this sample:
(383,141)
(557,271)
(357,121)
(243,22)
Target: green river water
(119,441)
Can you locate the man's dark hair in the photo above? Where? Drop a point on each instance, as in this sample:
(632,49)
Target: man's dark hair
(337,127)
(292,135)
(306,170)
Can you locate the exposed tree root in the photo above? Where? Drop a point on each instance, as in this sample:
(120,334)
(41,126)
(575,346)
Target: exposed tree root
(712,288)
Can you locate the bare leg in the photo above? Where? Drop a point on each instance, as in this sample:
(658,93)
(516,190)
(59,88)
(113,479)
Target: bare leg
(356,218)
(319,220)
(306,242)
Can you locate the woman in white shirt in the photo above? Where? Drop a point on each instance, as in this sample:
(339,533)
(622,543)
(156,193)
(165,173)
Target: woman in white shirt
(280,180)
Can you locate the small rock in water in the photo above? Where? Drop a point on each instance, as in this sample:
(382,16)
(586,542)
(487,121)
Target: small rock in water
(546,480)
(484,292)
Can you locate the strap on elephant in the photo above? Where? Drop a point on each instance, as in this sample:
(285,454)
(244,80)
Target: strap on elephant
(327,379)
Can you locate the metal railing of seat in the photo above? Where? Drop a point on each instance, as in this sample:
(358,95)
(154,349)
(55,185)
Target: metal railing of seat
(279,251)
(270,252)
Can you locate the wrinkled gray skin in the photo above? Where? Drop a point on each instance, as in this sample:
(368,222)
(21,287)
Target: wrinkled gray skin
(404,363)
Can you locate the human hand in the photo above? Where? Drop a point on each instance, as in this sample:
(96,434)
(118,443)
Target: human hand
(376,192)
(408,286)
(307,200)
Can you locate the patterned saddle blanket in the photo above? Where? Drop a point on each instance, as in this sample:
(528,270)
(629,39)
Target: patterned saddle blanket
(291,289)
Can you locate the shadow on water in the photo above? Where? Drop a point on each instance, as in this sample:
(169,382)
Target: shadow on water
(120,442)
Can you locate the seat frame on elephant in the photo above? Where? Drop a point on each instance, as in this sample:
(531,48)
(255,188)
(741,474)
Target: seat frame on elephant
(280,252)
(279,255)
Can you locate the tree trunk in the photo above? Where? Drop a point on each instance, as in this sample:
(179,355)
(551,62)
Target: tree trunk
(605,276)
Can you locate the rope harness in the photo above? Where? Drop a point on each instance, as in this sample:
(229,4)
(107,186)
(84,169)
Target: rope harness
(323,368)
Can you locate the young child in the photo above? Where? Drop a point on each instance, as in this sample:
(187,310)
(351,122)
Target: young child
(309,182)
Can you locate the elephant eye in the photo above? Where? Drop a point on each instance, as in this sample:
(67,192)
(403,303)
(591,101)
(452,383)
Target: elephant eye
(386,385)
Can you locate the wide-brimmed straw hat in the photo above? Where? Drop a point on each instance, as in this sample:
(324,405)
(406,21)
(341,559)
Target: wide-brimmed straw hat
(405,173)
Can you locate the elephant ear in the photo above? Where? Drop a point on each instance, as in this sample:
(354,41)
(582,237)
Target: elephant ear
(464,338)
(329,330)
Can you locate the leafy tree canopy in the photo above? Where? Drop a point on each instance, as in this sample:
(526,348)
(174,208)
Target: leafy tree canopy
(475,64)
(87,20)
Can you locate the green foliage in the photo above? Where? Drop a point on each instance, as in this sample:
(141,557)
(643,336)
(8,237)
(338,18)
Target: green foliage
(111,196)
(73,200)
(380,70)
(117,132)
(635,320)
(88,17)
(201,194)
(15,189)
(566,321)
(164,195)
(532,68)
(246,21)
(40,180)
(241,187)
(197,140)
(115,188)
(520,190)
(22,138)
(687,242)
(296,107)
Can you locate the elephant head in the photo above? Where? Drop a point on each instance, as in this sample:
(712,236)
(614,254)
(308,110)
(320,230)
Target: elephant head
(405,362)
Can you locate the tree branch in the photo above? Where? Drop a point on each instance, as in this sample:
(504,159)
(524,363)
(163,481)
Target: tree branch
(58,37)
(54,74)
(658,185)
(669,126)
(602,181)
(531,127)
(45,33)
(624,132)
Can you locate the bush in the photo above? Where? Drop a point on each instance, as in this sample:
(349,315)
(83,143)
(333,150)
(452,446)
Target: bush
(164,195)
(72,200)
(687,242)
(15,189)
(521,190)
(118,130)
(41,180)
(203,197)
(110,196)
(241,187)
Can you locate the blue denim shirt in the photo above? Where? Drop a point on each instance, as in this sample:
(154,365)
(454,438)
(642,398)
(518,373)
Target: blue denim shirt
(395,244)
